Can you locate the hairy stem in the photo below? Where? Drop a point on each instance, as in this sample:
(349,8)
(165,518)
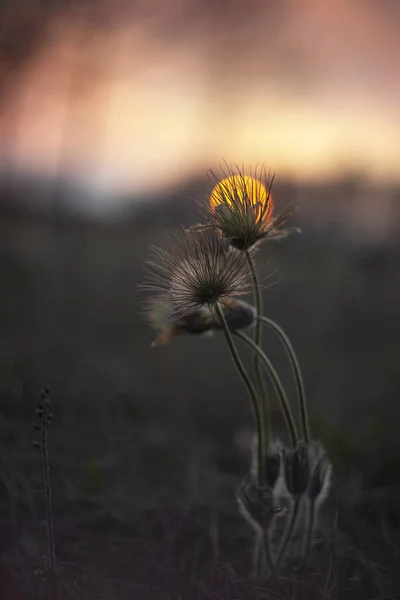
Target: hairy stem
(262,557)
(309,531)
(258,554)
(296,372)
(250,388)
(256,358)
(262,549)
(277,385)
(288,533)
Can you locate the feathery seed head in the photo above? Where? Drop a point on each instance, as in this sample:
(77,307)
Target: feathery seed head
(199,270)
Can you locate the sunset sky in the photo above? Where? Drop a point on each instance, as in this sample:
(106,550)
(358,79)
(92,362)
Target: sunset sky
(139,98)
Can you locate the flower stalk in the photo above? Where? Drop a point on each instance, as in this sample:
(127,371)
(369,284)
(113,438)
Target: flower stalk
(291,425)
(296,372)
(250,388)
(256,358)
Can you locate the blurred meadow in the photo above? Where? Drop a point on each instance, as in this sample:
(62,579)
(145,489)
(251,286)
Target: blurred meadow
(110,116)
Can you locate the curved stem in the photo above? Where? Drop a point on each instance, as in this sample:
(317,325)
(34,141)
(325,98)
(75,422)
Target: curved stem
(249,386)
(257,339)
(289,530)
(277,385)
(296,372)
(262,548)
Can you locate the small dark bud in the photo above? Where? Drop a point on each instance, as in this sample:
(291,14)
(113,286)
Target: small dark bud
(196,323)
(256,504)
(39,412)
(43,396)
(238,315)
(36,426)
(36,444)
(272,462)
(46,390)
(40,405)
(272,467)
(297,469)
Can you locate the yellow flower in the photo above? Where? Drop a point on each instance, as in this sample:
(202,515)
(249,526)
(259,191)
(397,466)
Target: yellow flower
(241,208)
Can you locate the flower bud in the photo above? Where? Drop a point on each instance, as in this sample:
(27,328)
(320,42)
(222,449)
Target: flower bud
(256,504)
(297,470)
(238,315)
(272,467)
(272,462)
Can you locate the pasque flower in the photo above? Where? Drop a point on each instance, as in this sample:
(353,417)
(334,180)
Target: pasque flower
(241,208)
(200,269)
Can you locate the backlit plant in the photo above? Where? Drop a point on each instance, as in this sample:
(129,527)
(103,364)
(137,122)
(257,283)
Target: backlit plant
(194,284)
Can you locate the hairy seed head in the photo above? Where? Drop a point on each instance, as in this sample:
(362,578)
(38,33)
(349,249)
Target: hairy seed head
(199,270)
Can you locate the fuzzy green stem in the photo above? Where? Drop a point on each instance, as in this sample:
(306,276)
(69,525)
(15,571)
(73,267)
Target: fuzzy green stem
(256,359)
(269,561)
(309,531)
(288,533)
(277,385)
(258,554)
(262,550)
(250,388)
(296,372)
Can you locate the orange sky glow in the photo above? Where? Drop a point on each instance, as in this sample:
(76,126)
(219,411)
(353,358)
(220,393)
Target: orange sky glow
(312,91)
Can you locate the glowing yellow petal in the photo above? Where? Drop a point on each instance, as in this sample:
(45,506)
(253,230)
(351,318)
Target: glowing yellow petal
(247,190)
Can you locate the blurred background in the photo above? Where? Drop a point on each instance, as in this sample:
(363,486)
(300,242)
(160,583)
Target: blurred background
(111,113)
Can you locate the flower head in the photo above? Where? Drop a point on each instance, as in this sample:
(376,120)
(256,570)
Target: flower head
(241,208)
(296,464)
(257,504)
(272,462)
(199,270)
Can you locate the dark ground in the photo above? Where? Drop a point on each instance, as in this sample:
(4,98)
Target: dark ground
(148,445)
